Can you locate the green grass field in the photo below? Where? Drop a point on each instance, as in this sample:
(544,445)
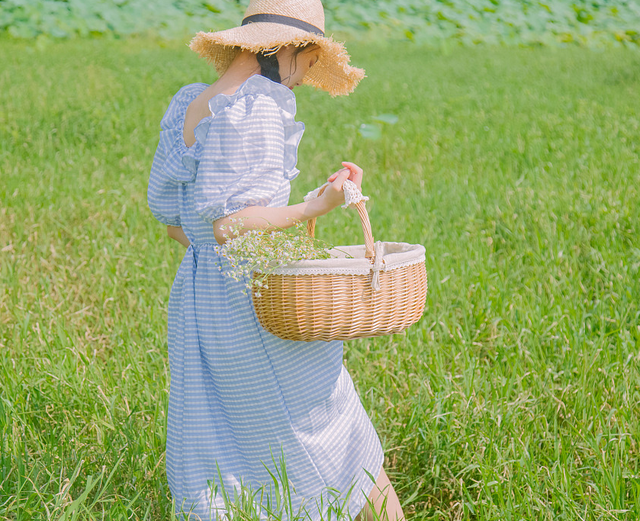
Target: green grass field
(517,395)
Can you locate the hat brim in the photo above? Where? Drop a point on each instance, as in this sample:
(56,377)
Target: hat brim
(332,72)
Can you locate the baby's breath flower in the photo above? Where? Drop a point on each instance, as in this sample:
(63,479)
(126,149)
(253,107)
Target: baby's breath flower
(254,254)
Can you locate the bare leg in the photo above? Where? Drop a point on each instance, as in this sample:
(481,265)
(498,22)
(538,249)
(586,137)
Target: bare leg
(389,511)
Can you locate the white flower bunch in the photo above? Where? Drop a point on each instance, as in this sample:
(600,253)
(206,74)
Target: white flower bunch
(257,253)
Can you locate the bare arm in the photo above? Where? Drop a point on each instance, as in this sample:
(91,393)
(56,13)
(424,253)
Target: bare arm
(177,233)
(261,217)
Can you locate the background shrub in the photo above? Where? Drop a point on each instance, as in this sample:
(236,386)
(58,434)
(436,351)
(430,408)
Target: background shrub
(597,23)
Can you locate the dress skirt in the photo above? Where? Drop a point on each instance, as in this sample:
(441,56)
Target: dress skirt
(241,398)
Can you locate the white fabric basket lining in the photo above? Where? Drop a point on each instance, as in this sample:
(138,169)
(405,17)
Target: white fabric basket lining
(392,255)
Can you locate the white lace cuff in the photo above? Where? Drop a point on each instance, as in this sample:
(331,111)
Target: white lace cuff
(352,195)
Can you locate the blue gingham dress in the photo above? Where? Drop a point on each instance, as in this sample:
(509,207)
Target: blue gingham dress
(240,397)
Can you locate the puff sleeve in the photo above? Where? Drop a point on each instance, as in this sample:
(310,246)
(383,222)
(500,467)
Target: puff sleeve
(243,162)
(173,164)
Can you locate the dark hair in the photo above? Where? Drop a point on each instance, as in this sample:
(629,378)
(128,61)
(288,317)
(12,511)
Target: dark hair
(269,66)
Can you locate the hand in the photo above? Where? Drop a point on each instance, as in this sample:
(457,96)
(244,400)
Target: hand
(355,174)
(333,195)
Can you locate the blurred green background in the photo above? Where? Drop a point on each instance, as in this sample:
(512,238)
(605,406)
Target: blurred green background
(504,136)
(594,23)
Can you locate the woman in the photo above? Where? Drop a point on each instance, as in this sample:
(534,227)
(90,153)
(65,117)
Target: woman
(240,396)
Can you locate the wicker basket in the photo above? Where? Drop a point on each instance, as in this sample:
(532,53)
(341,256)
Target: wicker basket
(380,291)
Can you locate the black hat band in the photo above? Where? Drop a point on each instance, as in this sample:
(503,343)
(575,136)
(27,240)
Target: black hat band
(284,20)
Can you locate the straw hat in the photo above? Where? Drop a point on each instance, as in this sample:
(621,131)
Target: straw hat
(272,24)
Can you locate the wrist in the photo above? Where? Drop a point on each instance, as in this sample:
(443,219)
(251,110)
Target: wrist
(316,208)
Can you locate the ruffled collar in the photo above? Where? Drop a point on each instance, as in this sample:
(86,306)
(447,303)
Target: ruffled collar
(253,86)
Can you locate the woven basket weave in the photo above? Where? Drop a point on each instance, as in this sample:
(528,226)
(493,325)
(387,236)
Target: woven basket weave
(380,291)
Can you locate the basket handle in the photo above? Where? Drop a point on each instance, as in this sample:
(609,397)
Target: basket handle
(362,212)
